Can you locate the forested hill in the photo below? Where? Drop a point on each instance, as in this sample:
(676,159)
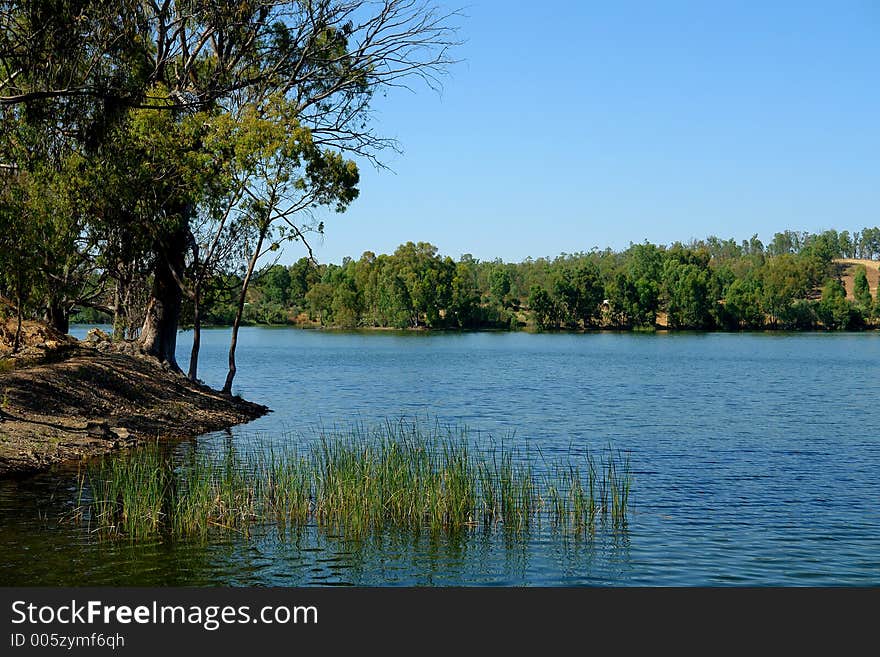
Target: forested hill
(797,281)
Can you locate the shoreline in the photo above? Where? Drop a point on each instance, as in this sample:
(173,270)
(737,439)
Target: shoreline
(77,402)
(657,328)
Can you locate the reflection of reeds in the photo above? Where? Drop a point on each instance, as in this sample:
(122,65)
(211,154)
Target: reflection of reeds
(400,477)
(619,476)
(579,497)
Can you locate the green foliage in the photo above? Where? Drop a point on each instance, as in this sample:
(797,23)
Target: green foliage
(90,316)
(589,292)
(275,284)
(802,315)
(303,274)
(346,306)
(690,292)
(785,279)
(861,290)
(835,311)
(320,302)
(152,149)
(428,280)
(643,268)
(464,307)
(499,284)
(577,293)
(742,304)
(543,308)
(705,285)
(623,301)
(21,283)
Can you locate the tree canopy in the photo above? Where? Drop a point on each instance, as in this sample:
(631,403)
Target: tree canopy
(706,285)
(155,147)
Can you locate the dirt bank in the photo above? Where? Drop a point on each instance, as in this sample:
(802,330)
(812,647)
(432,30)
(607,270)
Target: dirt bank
(71,400)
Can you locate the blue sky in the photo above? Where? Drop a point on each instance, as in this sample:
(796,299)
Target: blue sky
(573,125)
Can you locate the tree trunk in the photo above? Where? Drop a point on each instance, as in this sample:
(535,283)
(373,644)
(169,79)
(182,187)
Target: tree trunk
(227,387)
(16,341)
(197,334)
(58,316)
(159,333)
(119,321)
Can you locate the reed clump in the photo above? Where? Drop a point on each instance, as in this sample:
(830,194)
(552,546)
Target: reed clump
(396,477)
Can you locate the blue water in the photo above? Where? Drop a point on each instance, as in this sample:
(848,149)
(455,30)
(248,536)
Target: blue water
(755,459)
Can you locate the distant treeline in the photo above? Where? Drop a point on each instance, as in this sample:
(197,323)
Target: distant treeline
(794,282)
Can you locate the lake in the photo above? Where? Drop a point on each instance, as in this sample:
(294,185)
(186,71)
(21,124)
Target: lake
(755,460)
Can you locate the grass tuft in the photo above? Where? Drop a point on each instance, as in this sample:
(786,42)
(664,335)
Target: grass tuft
(398,477)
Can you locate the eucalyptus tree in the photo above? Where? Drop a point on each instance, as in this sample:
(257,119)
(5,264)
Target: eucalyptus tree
(282,174)
(80,68)
(65,271)
(465,297)
(427,279)
(783,280)
(542,307)
(588,292)
(18,252)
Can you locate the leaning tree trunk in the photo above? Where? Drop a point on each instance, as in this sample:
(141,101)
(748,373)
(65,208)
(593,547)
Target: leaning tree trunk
(233,343)
(16,341)
(159,333)
(197,334)
(197,314)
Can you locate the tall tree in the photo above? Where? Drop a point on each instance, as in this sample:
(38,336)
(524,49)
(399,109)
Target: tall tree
(283,173)
(784,279)
(835,310)
(79,67)
(861,289)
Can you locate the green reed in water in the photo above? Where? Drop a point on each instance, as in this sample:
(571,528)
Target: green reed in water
(399,476)
(142,494)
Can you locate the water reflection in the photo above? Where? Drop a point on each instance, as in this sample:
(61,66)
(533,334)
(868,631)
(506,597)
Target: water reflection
(754,460)
(54,546)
